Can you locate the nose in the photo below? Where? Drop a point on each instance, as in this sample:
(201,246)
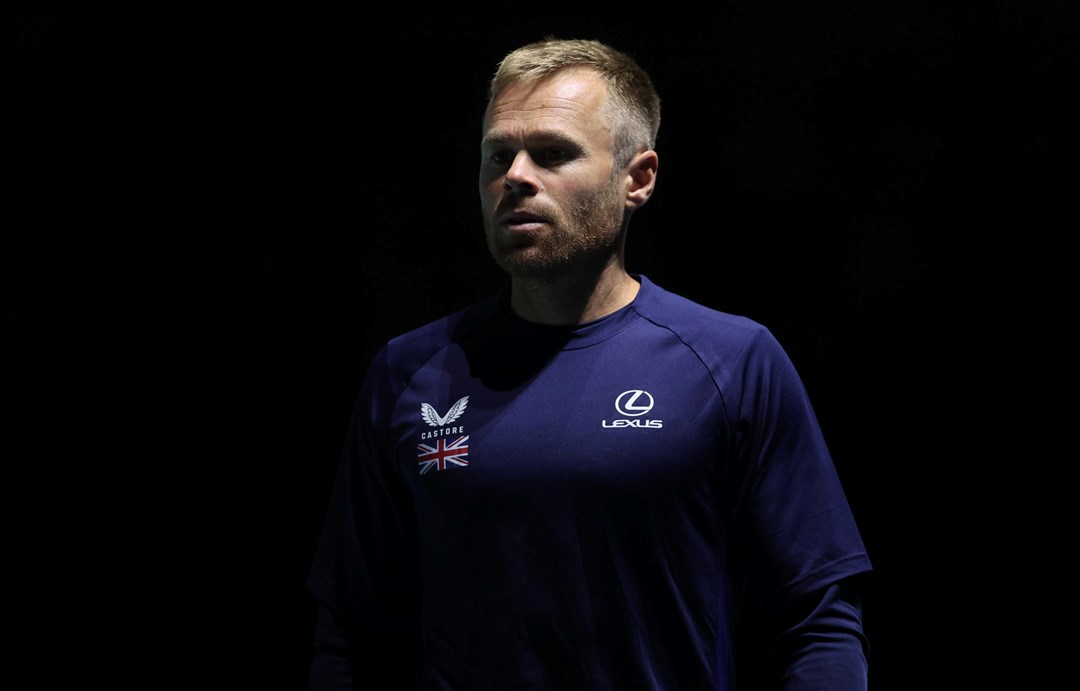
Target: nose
(521,176)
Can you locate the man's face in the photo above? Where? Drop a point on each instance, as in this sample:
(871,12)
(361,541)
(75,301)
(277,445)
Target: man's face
(551,199)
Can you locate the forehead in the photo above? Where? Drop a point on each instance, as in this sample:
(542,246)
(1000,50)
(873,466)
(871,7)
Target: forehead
(569,102)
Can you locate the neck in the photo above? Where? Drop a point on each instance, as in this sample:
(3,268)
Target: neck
(573,299)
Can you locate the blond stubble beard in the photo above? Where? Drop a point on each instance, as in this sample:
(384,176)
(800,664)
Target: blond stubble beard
(582,239)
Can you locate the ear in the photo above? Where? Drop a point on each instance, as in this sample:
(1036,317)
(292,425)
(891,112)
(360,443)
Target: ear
(642,174)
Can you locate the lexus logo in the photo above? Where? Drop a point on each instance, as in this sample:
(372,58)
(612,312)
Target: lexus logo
(634,402)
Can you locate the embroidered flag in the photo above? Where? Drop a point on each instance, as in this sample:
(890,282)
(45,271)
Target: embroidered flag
(437,457)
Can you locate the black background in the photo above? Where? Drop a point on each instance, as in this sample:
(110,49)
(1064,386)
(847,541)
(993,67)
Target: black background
(217,213)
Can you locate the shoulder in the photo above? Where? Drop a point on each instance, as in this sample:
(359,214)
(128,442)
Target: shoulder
(416,346)
(712,333)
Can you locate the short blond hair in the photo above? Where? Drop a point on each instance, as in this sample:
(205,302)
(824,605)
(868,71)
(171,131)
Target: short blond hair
(633,104)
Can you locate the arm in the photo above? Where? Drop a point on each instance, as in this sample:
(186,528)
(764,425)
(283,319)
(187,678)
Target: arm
(806,560)
(814,643)
(365,574)
(330,668)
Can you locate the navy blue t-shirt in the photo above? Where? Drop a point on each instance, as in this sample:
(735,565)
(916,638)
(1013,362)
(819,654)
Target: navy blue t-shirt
(581,507)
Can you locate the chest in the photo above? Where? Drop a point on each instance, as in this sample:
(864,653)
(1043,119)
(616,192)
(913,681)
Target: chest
(584,421)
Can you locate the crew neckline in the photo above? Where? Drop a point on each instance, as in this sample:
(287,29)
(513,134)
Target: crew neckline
(575,335)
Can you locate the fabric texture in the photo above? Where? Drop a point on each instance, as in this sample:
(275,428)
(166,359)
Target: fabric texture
(532,507)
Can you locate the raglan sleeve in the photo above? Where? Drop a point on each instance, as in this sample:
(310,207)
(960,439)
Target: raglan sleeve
(364,574)
(806,561)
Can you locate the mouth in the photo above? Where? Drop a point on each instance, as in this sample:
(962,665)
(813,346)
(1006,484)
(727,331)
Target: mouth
(522,221)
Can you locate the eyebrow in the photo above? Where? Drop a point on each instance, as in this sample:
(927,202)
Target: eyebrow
(544,136)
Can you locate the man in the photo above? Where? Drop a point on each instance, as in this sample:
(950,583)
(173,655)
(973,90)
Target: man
(585,482)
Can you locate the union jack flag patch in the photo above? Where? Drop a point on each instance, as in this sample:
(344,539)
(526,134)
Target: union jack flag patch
(443,455)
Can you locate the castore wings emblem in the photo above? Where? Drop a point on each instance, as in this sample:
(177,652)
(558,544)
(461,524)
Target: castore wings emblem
(432,417)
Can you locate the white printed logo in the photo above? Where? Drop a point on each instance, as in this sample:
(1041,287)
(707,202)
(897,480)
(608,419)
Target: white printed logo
(441,454)
(633,404)
(432,417)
